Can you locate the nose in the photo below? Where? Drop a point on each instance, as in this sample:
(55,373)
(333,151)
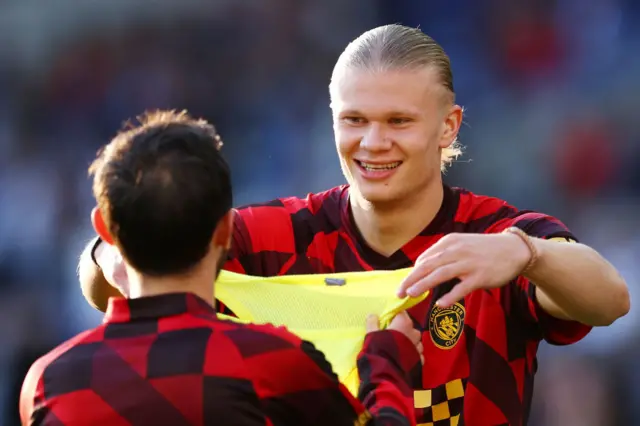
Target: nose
(375,139)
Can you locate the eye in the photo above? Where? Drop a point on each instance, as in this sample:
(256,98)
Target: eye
(399,120)
(354,120)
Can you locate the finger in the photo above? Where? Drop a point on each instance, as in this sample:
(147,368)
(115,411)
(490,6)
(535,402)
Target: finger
(405,322)
(439,246)
(441,275)
(373,323)
(420,348)
(425,267)
(403,317)
(457,293)
(431,251)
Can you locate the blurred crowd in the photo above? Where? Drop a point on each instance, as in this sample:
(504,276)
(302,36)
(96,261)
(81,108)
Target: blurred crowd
(550,95)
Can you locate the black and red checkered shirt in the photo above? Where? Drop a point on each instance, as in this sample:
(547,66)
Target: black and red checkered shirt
(480,354)
(167,360)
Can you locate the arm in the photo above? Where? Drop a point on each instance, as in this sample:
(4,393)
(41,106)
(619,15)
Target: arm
(574,282)
(388,367)
(26,400)
(303,389)
(31,393)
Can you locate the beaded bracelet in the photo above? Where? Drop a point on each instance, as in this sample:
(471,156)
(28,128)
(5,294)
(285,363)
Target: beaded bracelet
(532,248)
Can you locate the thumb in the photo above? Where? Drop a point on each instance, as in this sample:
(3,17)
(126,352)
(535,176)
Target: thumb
(373,323)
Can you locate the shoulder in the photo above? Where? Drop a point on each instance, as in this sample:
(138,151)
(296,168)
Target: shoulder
(88,337)
(273,343)
(265,346)
(284,208)
(265,337)
(33,387)
(482,213)
(275,225)
(275,355)
(475,207)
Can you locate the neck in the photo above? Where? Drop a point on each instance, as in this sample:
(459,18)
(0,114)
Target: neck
(198,281)
(387,228)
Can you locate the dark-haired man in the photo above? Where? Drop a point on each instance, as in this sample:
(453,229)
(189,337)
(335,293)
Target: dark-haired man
(162,357)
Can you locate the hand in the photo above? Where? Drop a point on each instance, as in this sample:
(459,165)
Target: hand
(112,265)
(402,323)
(479,261)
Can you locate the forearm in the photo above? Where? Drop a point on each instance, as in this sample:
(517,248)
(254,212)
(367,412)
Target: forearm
(388,366)
(92,282)
(574,282)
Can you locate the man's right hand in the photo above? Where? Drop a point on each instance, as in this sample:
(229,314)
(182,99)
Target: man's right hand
(402,323)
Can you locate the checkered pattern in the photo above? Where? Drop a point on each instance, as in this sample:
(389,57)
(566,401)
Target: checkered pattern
(441,406)
(167,360)
(502,328)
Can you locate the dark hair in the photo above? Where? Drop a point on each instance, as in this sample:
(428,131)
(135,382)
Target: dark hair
(162,188)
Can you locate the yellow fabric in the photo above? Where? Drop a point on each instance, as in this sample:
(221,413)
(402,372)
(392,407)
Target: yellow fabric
(331,316)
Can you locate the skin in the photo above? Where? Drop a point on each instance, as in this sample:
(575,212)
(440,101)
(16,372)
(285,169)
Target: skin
(387,117)
(407,117)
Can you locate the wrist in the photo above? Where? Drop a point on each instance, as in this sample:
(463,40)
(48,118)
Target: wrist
(527,243)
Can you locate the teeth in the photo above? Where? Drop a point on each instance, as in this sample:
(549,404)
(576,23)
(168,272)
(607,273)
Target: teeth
(380,166)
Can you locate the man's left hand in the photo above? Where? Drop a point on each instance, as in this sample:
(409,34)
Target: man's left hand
(479,261)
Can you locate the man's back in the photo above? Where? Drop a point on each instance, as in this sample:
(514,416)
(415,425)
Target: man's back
(166,360)
(162,357)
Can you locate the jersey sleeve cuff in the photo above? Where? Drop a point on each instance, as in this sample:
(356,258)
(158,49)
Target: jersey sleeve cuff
(393,346)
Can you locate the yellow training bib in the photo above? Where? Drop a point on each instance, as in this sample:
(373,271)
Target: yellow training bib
(328,310)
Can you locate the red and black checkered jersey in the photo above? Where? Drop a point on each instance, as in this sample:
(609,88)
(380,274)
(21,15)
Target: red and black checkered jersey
(480,354)
(167,360)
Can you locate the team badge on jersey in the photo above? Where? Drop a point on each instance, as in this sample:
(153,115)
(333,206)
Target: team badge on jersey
(446,324)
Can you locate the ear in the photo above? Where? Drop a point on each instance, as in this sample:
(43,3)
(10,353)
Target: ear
(452,123)
(100,227)
(224,231)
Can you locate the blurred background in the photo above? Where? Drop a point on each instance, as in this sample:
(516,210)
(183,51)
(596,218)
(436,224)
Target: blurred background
(550,87)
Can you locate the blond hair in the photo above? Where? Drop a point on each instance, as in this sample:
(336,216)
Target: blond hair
(396,47)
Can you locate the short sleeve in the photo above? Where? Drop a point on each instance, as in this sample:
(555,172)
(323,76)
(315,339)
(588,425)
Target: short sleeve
(240,245)
(263,239)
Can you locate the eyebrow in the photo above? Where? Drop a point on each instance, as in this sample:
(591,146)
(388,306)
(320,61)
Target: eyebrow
(393,113)
(351,112)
